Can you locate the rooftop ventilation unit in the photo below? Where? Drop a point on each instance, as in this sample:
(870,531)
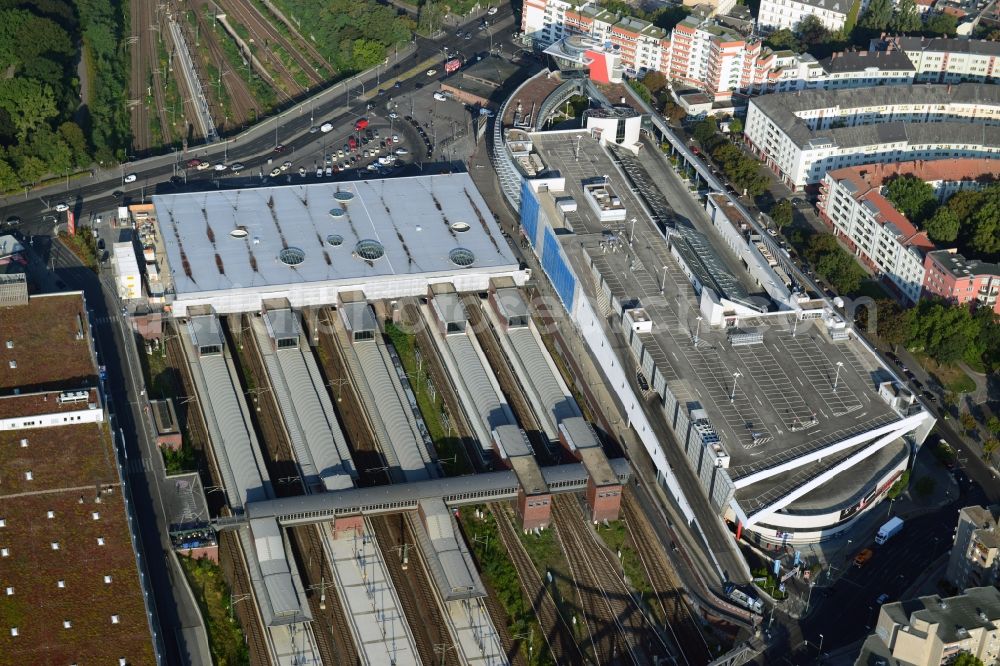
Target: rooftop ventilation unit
(70,397)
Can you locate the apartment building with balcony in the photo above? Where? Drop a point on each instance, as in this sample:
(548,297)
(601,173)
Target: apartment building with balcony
(950,276)
(853,206)
(803,135)
(777,14)
(946,60)
(975,553)
(851,203)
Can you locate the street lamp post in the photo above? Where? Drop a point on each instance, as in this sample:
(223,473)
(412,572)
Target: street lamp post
(631,235)
(820,645)
(836,377)
(663,285)
(732,396)
(697,330)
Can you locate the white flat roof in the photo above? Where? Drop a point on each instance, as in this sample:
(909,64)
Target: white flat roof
(234,239)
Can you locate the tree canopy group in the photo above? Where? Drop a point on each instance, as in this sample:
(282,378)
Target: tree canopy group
(352,34)
(969,219)
(44,130)
(742,171)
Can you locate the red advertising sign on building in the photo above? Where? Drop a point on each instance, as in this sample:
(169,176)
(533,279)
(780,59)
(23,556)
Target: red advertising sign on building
(70,223)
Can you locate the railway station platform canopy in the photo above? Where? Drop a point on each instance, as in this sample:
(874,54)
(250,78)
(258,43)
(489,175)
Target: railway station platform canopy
(231,249)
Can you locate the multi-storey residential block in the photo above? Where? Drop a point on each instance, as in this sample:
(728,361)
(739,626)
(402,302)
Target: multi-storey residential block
(802,135)
(951,276)
(975,554)
(852,204)
(778,14)
(864,69)
(947,60)
(930,630)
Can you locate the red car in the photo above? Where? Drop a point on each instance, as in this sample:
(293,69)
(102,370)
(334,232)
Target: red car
(361,124)
(280,148)
(193,163)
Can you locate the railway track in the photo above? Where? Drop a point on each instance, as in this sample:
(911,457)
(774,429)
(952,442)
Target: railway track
(435,369)
(619,629)
(267,35)
(680,620)
(243,105)
(142,136)
(234,568)
(557,632)
(302,41)
(365,450)
(333,638)
(420,608)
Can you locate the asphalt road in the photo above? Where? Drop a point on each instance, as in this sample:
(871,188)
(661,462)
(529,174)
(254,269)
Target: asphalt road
(153,175)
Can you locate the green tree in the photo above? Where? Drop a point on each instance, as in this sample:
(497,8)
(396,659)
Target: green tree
(669,16)
(706,129)
(784,40)
(654,81)
(735,125)
(985,227)
(993,425)
(8,177)
(641,90)
(781,213)
(912,197)
(905,18)
(877,16)
(943,226)
(77,142)
(942,331)
(673,112)
(892,321)
(28,103)
(940,24)
(966,659)
(968,421)
(899,486)
(990,447)
(812,31)
(367,53)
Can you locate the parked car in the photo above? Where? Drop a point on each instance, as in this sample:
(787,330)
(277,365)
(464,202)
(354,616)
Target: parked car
(439,96)
(12,221)
(319,172)
(393,115)
(491,11)
(402,151)
(193,163)
(329,171)
(130,178)
(204,165)
(431,72)
(302,171)
(286,166)
(863,557)
(275,171)
(220,166)
(237,167)
(62,207)
(882,598)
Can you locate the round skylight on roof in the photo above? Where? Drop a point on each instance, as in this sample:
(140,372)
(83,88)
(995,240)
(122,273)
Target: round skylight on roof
(344,197)
(337,212)
(461,256)
(292,256)
(238,232)
(335,240)
(460,226)
(370,249)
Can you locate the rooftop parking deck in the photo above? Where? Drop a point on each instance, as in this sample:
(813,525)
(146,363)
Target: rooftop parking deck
(788,391)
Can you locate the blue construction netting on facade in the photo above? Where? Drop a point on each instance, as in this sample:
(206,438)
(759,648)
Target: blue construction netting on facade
(558,270)
(529,213)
